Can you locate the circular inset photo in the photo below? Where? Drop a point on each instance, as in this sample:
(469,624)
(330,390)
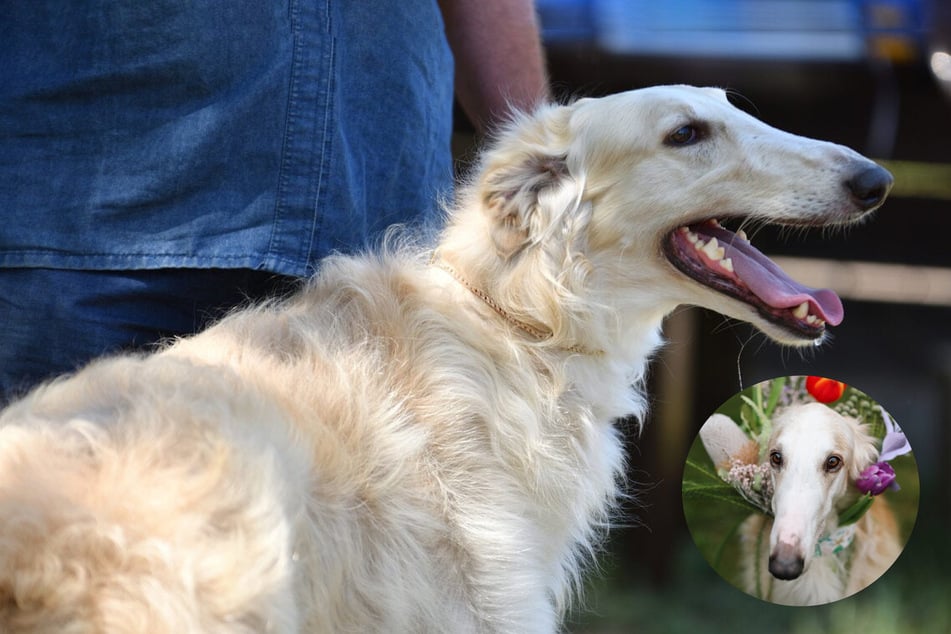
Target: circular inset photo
(800,490)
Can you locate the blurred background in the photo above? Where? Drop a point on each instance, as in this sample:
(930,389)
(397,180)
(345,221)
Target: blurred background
(871,74)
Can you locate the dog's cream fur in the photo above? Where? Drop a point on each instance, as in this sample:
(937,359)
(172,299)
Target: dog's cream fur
(808,496)
(384,452)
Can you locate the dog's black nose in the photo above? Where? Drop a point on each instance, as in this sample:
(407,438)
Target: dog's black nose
(785,568)
(869,186)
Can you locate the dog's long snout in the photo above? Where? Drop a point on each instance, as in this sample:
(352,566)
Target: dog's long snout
(869,185)
(785,562)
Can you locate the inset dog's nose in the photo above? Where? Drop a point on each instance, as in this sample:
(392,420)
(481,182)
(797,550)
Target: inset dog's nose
(785,569)
(785,562)
(869,186)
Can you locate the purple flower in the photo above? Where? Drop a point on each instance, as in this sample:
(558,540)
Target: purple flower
(894,443)
(876,478)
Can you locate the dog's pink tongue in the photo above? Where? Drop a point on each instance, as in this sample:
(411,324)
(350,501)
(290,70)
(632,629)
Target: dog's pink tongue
(767,281)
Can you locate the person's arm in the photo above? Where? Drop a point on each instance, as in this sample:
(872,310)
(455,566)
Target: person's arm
(499,58)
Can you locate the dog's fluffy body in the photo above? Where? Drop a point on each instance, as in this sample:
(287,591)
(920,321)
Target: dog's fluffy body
(385,451)
(354,450)
(807,501)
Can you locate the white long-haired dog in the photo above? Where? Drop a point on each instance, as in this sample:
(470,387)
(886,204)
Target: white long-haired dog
(815,456)
(415,443)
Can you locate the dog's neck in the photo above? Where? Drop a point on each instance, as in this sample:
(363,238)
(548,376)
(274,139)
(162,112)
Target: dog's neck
(537,333)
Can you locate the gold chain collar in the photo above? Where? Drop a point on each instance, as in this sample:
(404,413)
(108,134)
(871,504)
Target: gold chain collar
(537,333)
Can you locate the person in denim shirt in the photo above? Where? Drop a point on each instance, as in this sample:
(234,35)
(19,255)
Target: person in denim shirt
(162,162)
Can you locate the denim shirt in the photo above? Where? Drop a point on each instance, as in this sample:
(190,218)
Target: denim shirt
(217,133)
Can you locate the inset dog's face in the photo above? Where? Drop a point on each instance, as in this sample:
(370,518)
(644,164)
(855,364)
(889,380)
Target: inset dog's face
(814,454)
(639,182)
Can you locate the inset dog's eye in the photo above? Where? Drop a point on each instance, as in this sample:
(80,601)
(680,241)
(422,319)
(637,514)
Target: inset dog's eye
(776,459)
(685,135)
(833,464)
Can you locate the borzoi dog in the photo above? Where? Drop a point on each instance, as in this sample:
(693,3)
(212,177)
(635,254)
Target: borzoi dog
(417,441)
(815,455)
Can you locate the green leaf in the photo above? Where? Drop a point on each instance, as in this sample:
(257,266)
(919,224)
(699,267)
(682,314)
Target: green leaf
(775,391)
(756,424)
(855,512)
(708,486)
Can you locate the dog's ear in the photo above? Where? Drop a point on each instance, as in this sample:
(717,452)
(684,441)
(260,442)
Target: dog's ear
(515,196)
(865,448)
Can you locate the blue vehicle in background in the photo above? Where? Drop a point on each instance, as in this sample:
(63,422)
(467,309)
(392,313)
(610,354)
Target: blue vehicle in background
(810,57)
(833,30)
(841,31)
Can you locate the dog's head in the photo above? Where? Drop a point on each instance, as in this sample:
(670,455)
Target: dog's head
(618,197)
(814,454)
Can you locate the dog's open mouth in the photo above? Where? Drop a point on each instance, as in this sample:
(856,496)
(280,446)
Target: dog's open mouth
(726,262)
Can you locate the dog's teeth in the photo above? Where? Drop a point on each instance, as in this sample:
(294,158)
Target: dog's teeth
(801,311)
(690,235)
(742,235)
(713,250)
(727,263)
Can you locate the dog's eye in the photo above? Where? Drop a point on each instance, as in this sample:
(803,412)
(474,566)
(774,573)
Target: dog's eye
(685,135)
(833,464)
(776,459)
